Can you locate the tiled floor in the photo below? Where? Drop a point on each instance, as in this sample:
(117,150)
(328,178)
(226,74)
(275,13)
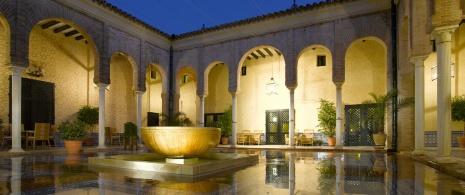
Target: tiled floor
(278,171)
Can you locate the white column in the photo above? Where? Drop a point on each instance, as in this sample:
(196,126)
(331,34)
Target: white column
(291,119)
(338,115)
(16,175)
(139,113)
(419,104)
(339,167)
(291,173)
(444,140)
(101,115)
(16,109)
(202,110)
(234,120)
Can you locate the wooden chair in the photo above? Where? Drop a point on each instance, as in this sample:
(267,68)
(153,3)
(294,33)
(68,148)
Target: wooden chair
(241,139)
(4,139)
(53,129)
(256,139)
(307,137)
(296,139)
(107,135)
(114,136)
(41,133)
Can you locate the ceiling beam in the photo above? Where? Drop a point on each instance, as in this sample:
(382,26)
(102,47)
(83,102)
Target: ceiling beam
(49,24)
(71,33)
(254,55)
(79,37)
(261,53)
(249,58)
(61,28)
(279,53)
(268,51)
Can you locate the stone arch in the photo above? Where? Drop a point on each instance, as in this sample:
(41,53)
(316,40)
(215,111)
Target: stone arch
(313,82)
(5,61)
(43,10)
(377,26)
(186,99)
(366,65)
(135,72)
(164,76)
(5,40)
(206,73)
(246,55)
(185,70)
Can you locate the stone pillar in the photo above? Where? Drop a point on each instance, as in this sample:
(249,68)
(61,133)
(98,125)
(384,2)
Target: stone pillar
(291,119)
(101,115)
(202,110)
(16,109)
(338,115)
(291,173)
(139,112)
(443,46)
(234,119)
(419,104)
(16,175)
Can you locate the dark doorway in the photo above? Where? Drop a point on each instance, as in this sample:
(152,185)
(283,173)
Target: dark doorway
(359,125)
(153,119)
(277,126)
(37,102)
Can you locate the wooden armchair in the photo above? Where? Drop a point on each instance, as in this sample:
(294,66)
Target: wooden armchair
(307,137)
(114,136)
(256,138)
(296,139)
(53,129)
(41,133)
(241,139)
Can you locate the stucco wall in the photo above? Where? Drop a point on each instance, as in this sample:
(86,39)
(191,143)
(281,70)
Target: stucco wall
(218,98)
(313,83)
(4,70)
(120,103)
(68,64)
(189,100)
(151,99)
(252,101)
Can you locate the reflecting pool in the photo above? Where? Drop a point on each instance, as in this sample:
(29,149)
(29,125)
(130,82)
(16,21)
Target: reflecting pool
(276,172)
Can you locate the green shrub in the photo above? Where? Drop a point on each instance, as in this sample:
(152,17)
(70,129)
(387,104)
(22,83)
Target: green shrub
(75,130)
(130,130)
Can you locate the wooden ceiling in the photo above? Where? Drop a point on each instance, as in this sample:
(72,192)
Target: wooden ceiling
(263,53)
(62,28)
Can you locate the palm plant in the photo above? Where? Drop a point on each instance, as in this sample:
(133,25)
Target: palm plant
(383,107)
(177,119)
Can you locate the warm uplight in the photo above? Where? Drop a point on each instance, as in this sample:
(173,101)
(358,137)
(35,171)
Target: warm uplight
(434,71)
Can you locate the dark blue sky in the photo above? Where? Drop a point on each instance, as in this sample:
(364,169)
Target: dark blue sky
(181,16)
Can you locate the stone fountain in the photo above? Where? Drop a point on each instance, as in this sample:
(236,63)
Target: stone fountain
(178,150)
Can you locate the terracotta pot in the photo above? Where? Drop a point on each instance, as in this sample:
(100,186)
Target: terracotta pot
(331,141)
(379,139)
(461,140)
(224,140)
(72,146)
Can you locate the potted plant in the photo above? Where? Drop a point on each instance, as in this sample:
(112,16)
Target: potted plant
(88,115)
(72,133)
(383,107)
(130,135)
(177,119)
(327,178)
(458,114)
(225,124)
(327,120)
(317,142)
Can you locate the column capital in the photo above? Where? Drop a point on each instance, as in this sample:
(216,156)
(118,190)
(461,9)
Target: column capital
(139,92)
(422,58)
(202,96)
(17,70)
(338,83)
(234,93)
(443,33)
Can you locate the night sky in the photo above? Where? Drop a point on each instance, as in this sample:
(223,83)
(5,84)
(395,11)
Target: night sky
(181,16)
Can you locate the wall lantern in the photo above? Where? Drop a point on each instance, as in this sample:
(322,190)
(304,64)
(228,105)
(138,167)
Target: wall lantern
(434,71)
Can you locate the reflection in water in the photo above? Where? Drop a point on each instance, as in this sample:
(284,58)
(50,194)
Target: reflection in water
(283,172)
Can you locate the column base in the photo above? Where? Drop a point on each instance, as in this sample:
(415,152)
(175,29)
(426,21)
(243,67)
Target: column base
(101,147)
(13,150)
(233,146)
(444,160)
(418,152)
(291,147)
(338,147)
